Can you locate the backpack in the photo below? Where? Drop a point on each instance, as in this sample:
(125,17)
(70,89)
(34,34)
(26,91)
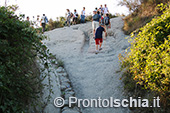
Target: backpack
(106,20)
(46,20)
(95,17)
(77,15)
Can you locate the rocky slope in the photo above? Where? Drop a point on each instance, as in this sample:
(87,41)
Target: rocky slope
(91,75)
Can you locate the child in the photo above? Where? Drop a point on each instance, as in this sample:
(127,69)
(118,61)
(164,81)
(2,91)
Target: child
(99,37)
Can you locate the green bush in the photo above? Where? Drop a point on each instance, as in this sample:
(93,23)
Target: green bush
(148,61)
(20,82)
(54,24)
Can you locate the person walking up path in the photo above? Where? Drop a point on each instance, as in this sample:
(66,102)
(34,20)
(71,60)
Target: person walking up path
(44,20)
(107,23)
(99,37)
(83,15)
(95,21)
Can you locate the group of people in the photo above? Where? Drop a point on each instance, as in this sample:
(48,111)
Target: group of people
(38,22)
(74,17)
(100,23)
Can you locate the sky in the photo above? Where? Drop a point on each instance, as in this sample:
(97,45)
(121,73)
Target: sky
(57,8)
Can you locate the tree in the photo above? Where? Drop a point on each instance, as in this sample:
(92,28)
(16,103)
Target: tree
(132,5)
(13,8)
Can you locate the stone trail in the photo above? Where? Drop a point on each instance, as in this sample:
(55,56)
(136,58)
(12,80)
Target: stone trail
(91,75)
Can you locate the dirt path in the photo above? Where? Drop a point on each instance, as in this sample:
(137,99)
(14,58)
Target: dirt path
(92,75)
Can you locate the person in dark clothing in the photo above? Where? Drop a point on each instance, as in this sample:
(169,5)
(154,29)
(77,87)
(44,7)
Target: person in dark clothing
(107,23)
(99,37)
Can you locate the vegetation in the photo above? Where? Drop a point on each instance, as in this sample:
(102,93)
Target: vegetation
(20,48)
(141,12)
(60,63)
(148,62)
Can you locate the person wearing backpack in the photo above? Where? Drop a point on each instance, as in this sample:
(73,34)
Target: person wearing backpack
(107,22)
(95,21)
(44,20)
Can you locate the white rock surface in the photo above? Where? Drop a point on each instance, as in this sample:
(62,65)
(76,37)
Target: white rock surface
(92,75)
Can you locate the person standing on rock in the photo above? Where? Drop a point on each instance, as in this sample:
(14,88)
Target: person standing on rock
(95,21)
(37,23)
(99,37)
(83,15)
(101,9)
(75,16)
(106,10)
(68,17)
(44,20)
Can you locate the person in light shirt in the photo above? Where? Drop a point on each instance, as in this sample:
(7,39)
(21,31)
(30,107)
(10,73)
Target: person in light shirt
(68,17)
(75,16)
(106,10)
(44,20)
(83,15)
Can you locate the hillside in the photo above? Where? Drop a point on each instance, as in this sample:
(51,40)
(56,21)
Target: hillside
(143,13)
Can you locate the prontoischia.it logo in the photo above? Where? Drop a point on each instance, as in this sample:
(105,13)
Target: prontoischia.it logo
(111,102)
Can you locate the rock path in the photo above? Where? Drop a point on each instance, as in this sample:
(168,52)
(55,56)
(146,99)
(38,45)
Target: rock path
(91,75)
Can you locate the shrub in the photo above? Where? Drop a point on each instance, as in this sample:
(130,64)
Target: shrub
(148,61)
(54,24)
(88,18)
(60,63)
(20,82)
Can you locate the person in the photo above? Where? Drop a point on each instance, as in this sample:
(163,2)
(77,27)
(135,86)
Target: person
(102,19)
(75,16)
(44,20)
(33,20)
(37,25)
(68,17)
(83,15)
(96,9)
(101,9)
(95,21)
(107,23)
(99,37)
(28,21)
(105,10)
